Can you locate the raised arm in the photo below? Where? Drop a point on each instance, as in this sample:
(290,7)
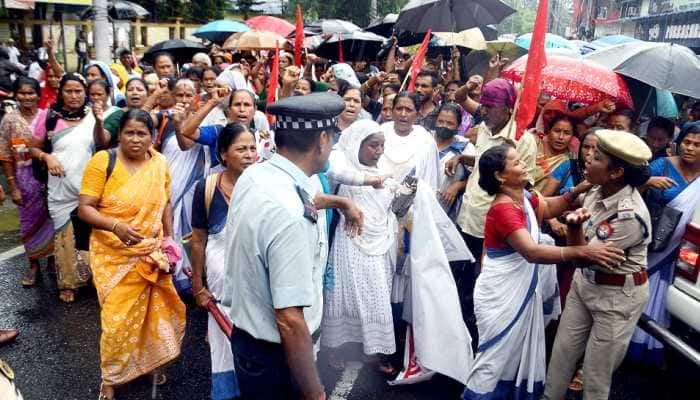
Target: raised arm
(53,63)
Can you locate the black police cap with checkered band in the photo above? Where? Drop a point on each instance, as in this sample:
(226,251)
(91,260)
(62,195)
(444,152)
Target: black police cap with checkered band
(311,112)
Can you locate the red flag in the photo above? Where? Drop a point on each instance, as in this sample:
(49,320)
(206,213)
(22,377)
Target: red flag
(418,60)
(536,61)
(298,38)
(341,59)
(274,80)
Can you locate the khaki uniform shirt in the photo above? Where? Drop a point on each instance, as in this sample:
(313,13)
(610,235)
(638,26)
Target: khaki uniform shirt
(622,220)
(476,202)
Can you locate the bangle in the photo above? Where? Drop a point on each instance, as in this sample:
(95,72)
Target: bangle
(10,178)
(200,291)
(561,254)
(114,225)
(569,196)
(41,156)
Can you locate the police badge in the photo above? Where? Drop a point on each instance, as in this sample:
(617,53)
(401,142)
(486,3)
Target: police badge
(604,231)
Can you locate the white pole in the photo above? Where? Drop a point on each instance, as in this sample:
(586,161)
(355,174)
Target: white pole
(101,32)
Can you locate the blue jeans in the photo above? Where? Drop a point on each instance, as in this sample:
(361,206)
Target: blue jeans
(261,368)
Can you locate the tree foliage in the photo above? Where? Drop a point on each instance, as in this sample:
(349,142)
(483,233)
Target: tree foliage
(356,11)
(193,11)
(522,21)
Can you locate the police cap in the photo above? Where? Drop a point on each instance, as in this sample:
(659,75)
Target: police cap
(312,112)
(624,145)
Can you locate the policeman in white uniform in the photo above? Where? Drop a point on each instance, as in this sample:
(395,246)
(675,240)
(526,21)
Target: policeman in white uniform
(273,277)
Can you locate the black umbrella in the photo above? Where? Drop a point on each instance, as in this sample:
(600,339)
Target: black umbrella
(358,45)
(451,15)
(118,9)
(383,26)
(181,50)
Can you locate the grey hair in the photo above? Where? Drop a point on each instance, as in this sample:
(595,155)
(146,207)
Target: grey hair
(203,58)
(186,83)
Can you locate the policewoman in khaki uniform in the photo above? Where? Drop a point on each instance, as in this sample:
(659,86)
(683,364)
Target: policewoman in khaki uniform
(603,305)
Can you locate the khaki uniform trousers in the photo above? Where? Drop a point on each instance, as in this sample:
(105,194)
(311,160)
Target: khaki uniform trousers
(598,320)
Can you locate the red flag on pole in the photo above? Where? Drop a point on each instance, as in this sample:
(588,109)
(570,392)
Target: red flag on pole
(341,59)
(298,38)
(274,80)
(418,60)
(536,61)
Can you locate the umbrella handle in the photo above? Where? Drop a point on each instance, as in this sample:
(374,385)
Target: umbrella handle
(221,320)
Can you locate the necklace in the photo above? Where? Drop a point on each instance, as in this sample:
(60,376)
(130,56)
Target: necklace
(513,199)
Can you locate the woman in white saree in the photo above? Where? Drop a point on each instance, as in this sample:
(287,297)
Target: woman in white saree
(237,151)
(511,291)
(357,307)
(66,144)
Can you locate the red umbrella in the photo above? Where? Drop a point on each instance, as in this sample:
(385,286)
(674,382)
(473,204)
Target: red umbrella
(271,24)
(576,80)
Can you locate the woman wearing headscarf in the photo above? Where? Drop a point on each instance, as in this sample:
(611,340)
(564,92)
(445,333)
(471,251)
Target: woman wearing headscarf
(674,183)
(357,307)
(66,144)
(97,70)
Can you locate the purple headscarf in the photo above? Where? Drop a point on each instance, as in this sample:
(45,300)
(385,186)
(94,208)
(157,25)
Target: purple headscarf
(498,93)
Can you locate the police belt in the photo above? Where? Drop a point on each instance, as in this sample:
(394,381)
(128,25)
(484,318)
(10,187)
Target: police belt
(601,278)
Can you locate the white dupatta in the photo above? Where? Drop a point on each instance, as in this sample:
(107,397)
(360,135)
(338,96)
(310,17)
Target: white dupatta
(73,147)
(438,340)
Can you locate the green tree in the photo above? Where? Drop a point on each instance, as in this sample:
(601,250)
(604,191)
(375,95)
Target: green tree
(245,6)
(356,11)
(522,21)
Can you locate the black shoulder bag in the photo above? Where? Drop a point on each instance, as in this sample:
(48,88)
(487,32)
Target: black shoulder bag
(664,220)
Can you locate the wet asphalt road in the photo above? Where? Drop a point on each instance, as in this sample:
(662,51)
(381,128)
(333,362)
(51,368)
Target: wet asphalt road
(56,356)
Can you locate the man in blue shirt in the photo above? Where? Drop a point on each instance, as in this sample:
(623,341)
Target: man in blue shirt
(273,279)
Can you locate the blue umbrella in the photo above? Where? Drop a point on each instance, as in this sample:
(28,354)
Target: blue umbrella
(551,41)
(219,31)
(612,40)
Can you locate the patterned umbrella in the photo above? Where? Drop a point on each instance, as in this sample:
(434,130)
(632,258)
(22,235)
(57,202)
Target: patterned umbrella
(271,24)
(576,80)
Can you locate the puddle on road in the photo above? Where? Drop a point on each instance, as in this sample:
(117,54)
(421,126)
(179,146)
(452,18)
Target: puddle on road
(9,226)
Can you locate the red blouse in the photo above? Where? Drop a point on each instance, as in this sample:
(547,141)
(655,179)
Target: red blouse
(503,219)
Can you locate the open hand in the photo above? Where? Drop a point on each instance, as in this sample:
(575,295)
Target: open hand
(605,255)
(354,219)
(578,217)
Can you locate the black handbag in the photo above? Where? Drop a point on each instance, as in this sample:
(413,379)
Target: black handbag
(664,220)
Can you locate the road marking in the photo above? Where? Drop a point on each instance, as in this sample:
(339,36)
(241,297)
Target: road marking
(11,253)
(346,381)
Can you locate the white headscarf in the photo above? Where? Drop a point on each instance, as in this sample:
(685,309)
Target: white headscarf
(379,222)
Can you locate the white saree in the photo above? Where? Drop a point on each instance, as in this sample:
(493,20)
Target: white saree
(509,308)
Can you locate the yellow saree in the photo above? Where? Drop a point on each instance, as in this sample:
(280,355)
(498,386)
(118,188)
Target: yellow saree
(143,319)
(546,164)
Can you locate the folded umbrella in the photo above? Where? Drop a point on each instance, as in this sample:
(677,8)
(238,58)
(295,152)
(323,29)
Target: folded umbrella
(661,65)
(219,31)
(576,80)
(451,15)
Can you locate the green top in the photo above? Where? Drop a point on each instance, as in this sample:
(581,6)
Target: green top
(111,124)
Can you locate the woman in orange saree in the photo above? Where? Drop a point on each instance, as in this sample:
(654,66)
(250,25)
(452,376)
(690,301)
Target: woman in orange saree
(128,206)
